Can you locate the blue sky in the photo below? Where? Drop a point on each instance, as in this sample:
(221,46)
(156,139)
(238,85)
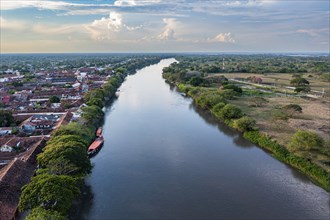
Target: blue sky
(164,26)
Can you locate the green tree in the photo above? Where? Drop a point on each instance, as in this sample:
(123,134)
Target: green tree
(6,118)
(245,124)
(196,81)
(305,140)
(92,114)
(300,84)
(70,151)
(84,132)
(95,101)
(54,99)
(230,112)
(40,213)
(233,87)
(51,192)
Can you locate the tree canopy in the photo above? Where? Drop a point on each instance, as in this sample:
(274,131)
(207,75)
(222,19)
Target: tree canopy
(52,192)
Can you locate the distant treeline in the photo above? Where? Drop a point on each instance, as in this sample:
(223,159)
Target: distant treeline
(254,64)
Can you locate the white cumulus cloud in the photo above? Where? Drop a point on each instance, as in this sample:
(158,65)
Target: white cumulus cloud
(224,38)
(169,29)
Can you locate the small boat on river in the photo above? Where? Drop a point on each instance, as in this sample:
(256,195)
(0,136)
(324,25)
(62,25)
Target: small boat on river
(99,132)
(95,146)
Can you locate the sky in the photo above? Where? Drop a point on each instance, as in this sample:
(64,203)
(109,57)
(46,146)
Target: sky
(266,26)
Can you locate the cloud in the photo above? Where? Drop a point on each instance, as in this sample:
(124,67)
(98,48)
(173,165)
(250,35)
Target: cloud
(135,2)
(14,25)
(313,32)
(40,4)
(224,38)
(107,27)
(168,31)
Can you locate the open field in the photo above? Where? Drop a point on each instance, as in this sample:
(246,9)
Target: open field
(315,117)
(283,79)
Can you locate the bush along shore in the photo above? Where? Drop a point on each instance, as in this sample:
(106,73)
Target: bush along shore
(216,100)
(64,163)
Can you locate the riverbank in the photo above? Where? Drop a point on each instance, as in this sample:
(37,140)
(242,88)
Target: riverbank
(217,103)
(64,162)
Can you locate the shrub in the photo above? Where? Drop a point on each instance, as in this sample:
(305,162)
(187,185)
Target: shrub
(245,124)
(230,112)
(305,140)
(279,115)
(258,101)
(217,109)
(209,99)
(233,87)
(292,109)
(229,94)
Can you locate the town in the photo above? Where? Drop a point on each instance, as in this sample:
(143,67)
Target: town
(39,95)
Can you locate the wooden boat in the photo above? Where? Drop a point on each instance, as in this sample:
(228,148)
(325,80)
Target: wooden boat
(95,146)
(99,132)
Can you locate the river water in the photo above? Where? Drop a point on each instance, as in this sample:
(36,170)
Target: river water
(165,159)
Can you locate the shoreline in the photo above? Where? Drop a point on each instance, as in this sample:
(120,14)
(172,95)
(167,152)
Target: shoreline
(312,171)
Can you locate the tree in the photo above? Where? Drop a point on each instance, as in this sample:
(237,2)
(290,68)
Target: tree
(305,140)
(245,124)
(6,118)
(51,192)
(70,151)
(54,99)
(230,112)
(300,84)
(95,101)
(196,81)
(40,213)
(84,132)
(92,114)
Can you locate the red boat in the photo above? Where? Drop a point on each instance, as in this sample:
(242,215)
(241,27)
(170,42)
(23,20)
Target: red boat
(95,146)
(99,132)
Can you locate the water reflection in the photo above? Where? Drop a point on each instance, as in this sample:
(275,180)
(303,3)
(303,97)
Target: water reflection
(211,120)
(241,142)
(83,205)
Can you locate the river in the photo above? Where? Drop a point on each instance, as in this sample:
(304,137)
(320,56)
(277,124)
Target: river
(165,159)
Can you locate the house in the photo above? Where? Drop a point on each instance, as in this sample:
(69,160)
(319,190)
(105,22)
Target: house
(6,148)
(5,131)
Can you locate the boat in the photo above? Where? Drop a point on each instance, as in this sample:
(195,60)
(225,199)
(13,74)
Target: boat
(99,132)
(95,146)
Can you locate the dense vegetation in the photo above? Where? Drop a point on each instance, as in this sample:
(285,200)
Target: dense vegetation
(64,161)
(215,96)
(251,64)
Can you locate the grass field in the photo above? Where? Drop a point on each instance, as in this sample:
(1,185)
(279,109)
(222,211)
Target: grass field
(283,80)
(315,117)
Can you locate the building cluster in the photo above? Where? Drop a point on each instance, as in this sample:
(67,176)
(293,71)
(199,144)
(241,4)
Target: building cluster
(39,103)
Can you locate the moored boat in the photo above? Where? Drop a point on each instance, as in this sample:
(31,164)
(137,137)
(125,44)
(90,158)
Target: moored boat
(95,146)
(99,132)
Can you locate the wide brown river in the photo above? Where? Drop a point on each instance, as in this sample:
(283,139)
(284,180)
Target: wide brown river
(165,159)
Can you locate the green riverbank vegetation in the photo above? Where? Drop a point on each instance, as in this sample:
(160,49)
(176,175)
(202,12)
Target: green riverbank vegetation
(267,119)
(64,162)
